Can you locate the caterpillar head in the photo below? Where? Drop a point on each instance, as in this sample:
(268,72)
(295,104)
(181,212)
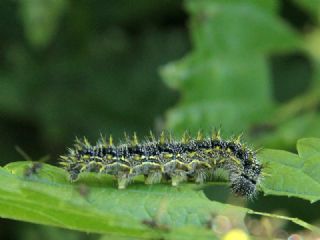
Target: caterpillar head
(245,183)
(242,186)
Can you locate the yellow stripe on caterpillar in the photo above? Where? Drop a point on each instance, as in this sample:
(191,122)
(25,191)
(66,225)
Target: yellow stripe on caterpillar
(167,158)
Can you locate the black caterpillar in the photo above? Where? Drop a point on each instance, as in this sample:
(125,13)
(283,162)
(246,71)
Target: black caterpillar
(169,159)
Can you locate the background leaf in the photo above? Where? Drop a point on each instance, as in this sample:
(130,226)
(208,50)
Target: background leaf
(225,78)
(41,19)
(293,175)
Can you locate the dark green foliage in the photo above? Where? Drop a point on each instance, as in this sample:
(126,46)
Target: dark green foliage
(74,68)
(95,74)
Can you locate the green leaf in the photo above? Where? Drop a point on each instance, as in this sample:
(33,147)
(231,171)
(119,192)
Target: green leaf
(246,27)
(293,175)
(226,74)
(93,204)
(309,147)
(40,19)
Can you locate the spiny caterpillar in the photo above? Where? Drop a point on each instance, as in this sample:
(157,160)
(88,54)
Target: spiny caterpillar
(169,159)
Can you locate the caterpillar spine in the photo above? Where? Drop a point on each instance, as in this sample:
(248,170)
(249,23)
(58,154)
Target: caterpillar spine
(192,159)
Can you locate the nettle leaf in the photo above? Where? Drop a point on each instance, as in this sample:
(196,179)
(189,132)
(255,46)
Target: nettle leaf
(227,73)
(41,193)
(94,204)
(293,175)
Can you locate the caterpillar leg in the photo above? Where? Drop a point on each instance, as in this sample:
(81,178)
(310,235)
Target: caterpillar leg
(241,185)
(123,180)
(73,175)
(199,169)
(201,176)
(177,177)
(153,177)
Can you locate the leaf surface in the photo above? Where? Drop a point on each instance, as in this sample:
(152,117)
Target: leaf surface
(293,175)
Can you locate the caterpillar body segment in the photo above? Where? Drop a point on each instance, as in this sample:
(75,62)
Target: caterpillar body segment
(190,159)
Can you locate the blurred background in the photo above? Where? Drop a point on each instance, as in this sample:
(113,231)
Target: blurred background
(78,68)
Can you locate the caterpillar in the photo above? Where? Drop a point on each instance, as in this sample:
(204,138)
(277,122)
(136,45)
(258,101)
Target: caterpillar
(166,158)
